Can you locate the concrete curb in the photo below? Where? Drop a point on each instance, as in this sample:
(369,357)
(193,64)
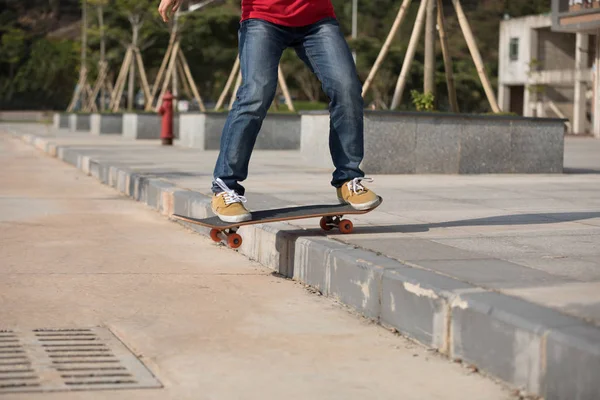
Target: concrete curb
(529,346)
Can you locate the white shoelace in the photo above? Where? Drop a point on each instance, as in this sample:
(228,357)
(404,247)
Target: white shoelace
(229,195)
(355,185)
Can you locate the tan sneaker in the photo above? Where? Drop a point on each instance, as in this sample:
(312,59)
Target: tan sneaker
(357,195)
(229,206)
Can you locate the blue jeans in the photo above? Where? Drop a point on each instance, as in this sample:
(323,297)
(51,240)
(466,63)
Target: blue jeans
(324,50)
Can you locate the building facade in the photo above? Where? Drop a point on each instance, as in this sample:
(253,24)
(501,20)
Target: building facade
(548,64)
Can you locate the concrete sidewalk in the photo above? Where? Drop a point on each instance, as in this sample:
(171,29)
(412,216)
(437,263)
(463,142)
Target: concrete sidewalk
(502,271)
(206,322)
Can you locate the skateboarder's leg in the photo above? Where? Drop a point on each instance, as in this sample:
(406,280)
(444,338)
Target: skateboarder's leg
(260,47)
(324,49)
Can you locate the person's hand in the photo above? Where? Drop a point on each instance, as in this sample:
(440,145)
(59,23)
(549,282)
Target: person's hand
(168,7)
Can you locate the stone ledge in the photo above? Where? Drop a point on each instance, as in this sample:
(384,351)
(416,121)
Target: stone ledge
(146,125)
(203,131)
(106,124)
(526,345)
(440,143)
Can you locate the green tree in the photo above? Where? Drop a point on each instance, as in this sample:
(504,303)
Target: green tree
(49,75)
(12,48)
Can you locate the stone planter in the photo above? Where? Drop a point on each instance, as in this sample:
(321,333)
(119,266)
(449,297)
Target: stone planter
(439,143)
(146,126)
(106,124)
(203,131)
(60,121)
(79,122)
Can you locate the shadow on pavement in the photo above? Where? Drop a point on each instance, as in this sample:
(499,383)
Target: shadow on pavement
(522,219)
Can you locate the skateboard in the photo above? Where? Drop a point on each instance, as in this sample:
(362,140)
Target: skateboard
(331,217)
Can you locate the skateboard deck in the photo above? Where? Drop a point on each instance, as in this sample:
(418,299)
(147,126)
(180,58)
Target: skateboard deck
(331,217)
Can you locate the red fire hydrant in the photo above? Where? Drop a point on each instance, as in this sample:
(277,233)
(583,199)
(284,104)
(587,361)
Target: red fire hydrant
(166,110)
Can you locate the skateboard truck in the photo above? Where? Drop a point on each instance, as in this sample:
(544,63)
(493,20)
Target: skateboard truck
(344,225)
(234,240)
(228,236)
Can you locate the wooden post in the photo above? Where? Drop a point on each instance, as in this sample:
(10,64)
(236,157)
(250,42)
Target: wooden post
(143,78)
(161,71)
(238,83)
(184,82)
(100,84)
(429,70)
(169,73)
(447,58)
(136,24)
(102,55)
(232,75)
(468,34)
(115,99)
(410,53)
(284,89)
(386,45)
(190,79)
(78,89)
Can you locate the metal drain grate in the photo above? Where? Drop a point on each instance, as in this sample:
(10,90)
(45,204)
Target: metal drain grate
(43,360)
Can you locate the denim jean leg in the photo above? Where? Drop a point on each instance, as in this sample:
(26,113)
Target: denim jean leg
(260,47)
(323,48)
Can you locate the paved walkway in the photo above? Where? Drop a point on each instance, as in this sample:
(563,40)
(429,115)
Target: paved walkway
(209,323)
(533,237)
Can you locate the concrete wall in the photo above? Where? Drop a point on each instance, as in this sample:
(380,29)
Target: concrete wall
(515,72)
(83,122)
(556,51)
(106,124)
(146,126)
(64,120)
(204,130)
(79,122)
(436,143)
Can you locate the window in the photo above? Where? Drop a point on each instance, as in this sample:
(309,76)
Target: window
(514,49)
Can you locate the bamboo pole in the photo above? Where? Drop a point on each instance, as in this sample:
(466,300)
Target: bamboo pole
(232,75)
(441,21)
(238,83)
(97,86)
(429,64)
(192,83)
(142,69)
(78,89)
(100,10)
(120,78)
(161,71)
(386,46)
(410,54)
(184,82)
(120,84)
(169,73)
(468,34)
(284,89)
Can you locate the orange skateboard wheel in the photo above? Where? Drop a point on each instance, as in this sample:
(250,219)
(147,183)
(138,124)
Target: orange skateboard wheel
(214,235)
(234,240)
(324,224)
(346,226)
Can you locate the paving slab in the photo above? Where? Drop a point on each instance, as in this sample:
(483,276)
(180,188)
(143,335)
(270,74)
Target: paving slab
(472,230)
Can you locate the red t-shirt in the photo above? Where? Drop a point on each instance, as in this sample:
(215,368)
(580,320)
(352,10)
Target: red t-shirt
(288,12)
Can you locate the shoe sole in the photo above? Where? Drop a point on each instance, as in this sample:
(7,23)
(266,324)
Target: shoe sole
(363,206)
(235,218)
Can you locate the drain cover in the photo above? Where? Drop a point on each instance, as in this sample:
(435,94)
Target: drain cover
(43,360)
